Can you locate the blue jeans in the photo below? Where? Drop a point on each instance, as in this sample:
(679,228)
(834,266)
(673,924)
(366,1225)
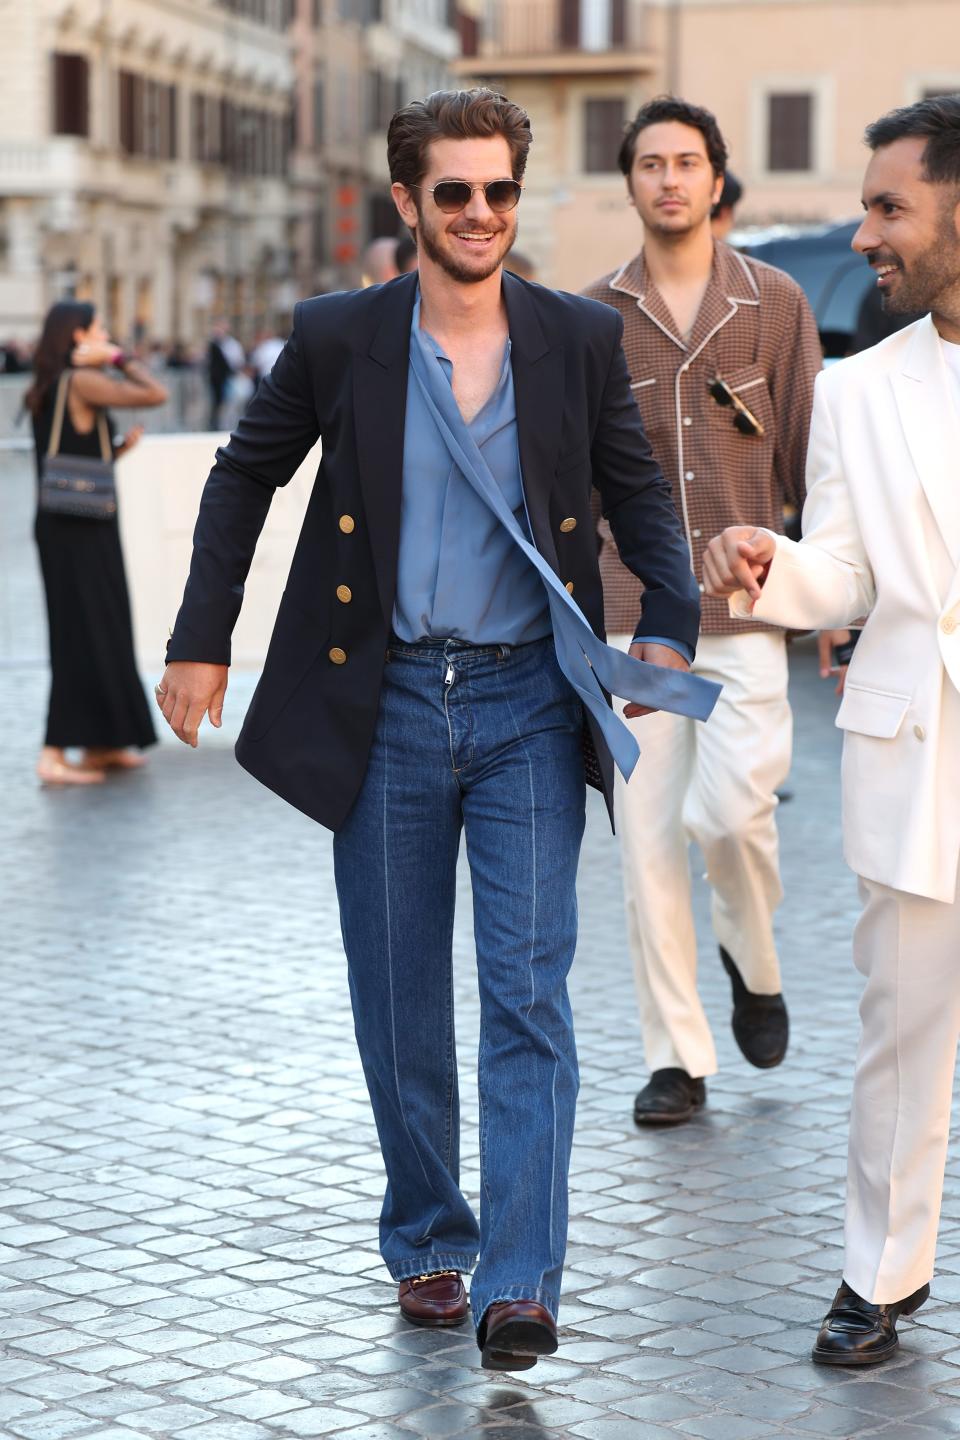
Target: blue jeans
(486,740)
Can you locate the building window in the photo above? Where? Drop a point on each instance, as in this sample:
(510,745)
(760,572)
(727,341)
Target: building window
(790,132)
(147,117)
(602,134)
(71,95)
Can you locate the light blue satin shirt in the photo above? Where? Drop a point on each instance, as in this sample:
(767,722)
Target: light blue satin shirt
(459,574)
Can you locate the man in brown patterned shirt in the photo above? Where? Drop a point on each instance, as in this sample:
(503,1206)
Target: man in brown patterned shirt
(722,352)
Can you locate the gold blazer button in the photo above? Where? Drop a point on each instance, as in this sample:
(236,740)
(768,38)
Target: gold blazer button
(338,656)
(567,525)
(948,624)
(569,587)
(347,524)
(344,594)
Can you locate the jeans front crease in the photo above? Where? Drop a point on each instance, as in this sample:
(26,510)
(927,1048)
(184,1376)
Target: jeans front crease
(520,802)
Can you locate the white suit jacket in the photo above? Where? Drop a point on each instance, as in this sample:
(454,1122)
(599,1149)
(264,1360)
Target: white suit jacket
(881,540)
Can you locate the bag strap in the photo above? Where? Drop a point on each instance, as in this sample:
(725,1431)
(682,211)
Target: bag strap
(56,429)
(53,446)
(106,449)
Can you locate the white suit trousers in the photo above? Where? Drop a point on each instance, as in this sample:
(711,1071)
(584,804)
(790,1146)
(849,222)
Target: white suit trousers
(908,947)
(713,783)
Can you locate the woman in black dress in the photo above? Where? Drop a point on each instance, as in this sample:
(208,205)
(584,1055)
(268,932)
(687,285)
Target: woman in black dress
(97,703)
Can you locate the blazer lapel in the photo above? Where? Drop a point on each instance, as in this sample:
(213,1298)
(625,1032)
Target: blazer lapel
(538,391)
(380,369)
(932,431)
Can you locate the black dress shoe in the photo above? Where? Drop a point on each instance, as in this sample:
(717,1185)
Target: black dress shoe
(857,1332)
(760,1024)
(669,1097)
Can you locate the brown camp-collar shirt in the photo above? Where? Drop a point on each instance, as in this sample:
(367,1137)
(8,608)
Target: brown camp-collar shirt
(756,330)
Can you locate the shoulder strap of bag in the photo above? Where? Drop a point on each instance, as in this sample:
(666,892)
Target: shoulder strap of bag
(106,449)
(56,429)
(53,445)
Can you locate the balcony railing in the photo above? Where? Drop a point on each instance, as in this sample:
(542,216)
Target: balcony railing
(549,27)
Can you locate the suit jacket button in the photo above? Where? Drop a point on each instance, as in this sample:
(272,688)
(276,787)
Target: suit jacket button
(948,624)
(344,594)
(338,656)
(567,525)
(919,731)
(347,524)
(569,587)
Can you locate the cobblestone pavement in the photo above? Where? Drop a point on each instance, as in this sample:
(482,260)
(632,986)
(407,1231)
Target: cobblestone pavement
(189,1182)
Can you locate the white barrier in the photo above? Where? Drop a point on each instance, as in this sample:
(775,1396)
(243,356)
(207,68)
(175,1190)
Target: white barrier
(159,485)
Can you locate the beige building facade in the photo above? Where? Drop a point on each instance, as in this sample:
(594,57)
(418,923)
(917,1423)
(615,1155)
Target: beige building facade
(178,160)
(793,83)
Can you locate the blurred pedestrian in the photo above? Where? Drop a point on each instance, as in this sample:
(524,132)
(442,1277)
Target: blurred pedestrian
(265,354)
(722,353)
(225,360)
(882,540)
(723,214)
(97,702)
(429,674)
(380,261)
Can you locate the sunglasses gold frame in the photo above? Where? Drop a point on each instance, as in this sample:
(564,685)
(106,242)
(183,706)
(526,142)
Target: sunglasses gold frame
(501,180)
(744,419)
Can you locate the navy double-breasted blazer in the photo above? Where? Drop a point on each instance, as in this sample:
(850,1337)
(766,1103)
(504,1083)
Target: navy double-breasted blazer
(343,376)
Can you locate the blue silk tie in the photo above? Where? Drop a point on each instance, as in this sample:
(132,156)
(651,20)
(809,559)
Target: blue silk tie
(584,659)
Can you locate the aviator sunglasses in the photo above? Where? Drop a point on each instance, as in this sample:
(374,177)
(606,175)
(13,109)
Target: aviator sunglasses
(744,420)
(450,196)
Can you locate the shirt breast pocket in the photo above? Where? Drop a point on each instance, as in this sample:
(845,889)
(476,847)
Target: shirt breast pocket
(749,385)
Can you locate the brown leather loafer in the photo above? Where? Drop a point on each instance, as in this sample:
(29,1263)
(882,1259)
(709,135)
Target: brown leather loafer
(514,1334)
(437,1299)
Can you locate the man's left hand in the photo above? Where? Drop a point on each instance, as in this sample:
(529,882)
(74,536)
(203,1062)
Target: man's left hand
(654,655)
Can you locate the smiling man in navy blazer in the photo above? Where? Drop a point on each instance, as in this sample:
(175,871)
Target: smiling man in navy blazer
(431,672)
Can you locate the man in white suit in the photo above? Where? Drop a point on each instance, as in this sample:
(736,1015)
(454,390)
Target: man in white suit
(881,547)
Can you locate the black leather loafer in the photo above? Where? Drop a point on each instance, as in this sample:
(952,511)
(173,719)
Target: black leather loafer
(857,1332)
(761,1026)
(669,1097)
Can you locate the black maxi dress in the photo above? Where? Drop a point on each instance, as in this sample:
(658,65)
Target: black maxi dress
(96,698)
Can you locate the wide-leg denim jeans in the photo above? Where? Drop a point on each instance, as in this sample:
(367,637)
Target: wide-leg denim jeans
(486,740)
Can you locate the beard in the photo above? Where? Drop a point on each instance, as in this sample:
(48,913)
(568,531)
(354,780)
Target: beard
(463,274)
(930,275)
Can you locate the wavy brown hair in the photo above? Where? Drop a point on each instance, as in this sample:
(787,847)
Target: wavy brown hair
(55,347)
(454,115)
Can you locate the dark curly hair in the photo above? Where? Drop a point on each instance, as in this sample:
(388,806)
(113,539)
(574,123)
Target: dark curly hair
(671,107)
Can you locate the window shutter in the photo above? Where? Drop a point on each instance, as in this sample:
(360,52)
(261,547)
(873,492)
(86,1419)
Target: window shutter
(128,127)
(71,95)
(569,18)
(790,132)
(603,132)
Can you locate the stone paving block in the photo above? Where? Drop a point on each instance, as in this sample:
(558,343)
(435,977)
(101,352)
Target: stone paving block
(50,1425)
(614,1427)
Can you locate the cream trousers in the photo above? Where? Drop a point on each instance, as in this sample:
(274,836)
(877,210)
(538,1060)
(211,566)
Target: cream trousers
(908,948)
(713,783)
